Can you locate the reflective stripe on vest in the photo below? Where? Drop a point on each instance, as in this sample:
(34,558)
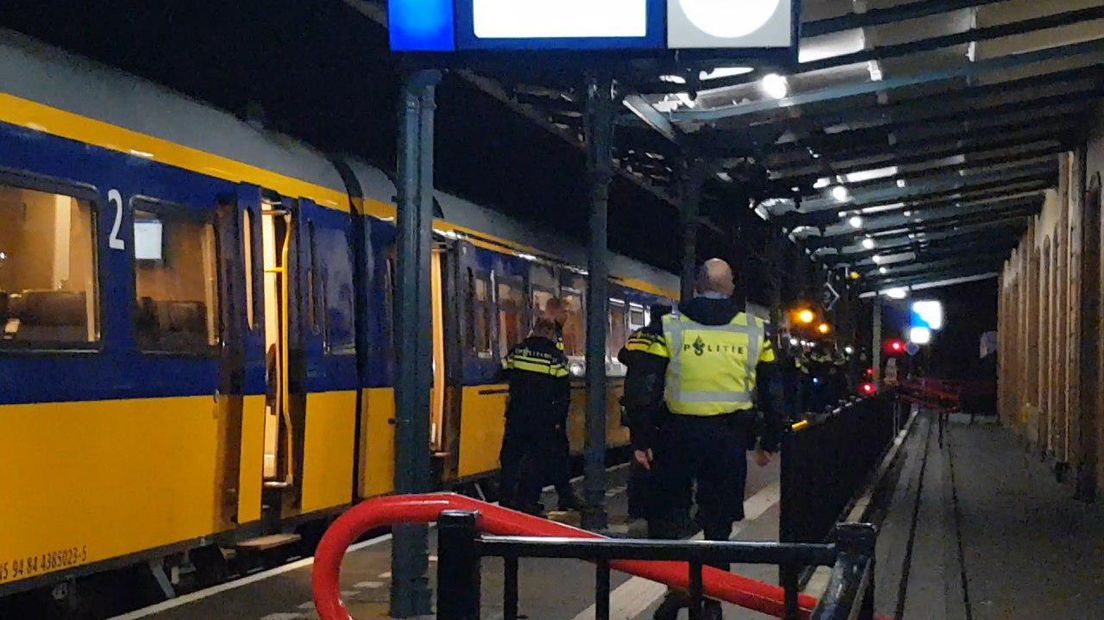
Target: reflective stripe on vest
(712,367)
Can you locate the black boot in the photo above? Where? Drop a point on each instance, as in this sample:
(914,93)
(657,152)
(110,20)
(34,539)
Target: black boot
(672,603)
(571,502)
(712,611)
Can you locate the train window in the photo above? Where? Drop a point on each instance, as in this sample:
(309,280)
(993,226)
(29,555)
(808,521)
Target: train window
(480,314)
(336,291)
(390,294)
(637,317)
(511,314)
(175,280)
(313,298)
(542,278)
(574,328)
(541,298)
(617,336)
(247,257)
(47,269)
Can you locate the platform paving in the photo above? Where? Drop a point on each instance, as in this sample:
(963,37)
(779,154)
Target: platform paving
(995,535)
(549,589)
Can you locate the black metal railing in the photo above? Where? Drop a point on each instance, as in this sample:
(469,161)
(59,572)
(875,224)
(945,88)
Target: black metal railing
(461,547)
(827,461)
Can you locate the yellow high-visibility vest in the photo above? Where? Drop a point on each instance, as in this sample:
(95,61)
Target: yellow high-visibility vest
(712,367)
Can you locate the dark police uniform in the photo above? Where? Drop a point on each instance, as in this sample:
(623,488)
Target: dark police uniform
(536,414)
(645,359)
(715,352)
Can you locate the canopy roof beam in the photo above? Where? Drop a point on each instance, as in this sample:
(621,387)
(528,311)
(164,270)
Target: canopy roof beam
(1093,48)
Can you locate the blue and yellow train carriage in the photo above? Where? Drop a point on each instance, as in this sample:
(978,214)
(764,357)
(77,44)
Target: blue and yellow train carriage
(196,324)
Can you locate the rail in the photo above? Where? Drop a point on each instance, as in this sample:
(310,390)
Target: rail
(385,511)
(461,548)
(827,461)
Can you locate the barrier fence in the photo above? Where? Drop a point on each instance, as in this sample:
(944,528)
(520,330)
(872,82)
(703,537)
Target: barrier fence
(851,578)
(828,460)
(461,548)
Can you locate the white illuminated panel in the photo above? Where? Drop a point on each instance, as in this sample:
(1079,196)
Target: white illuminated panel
(929,313)
(728,23)
(549,19)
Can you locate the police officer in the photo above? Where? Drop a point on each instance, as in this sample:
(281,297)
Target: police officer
(556,311)
(645,359)
(536,415)
(715,351)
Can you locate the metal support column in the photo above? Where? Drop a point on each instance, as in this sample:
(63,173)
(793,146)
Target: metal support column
(876,346)
(410,593)
(693,178)
(599,138)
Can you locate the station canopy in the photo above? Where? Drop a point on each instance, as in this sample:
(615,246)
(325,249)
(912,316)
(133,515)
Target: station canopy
(911,143)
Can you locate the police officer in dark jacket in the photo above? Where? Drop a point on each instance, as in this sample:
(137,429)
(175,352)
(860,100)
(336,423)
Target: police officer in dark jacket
(715,353)
(536,415)
(645,359)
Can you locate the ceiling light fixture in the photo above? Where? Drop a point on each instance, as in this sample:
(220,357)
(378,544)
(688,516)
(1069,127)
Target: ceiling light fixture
(775,86)
(896,293)
(855,221)
(840,193)
(868,243)
(723,72)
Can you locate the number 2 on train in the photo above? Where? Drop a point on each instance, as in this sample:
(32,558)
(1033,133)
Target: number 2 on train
(113,241)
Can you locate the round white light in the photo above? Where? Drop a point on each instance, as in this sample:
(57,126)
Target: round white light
(868,243)
(883,270)
(849,350)
(3,256)
(920,335)
(877,259)
(776,87)
(840,193)
(897,293)
(855,221)
(726,19)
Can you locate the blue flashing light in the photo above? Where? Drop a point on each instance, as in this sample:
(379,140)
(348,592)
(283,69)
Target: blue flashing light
(421,25)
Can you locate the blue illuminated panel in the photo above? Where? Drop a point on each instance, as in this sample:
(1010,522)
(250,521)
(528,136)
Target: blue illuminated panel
(422,25)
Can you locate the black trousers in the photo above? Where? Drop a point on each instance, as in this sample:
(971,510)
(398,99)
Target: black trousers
(560,470)
(530,457)
(703,453)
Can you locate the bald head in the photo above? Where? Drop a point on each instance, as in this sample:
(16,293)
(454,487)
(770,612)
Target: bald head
(715,276)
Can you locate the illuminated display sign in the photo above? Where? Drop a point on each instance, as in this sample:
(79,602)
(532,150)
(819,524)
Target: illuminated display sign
(927,314)
(566,25)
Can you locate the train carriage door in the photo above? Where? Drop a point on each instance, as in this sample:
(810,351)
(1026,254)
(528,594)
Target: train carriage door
(229,397)
(247,220)
(278,230)
(447,360)
(324,373)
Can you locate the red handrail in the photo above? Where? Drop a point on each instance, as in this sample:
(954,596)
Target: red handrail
(385,511)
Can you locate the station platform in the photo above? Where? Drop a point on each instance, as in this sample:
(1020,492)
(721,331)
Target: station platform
(549,589)
(981,529)
(975,529)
